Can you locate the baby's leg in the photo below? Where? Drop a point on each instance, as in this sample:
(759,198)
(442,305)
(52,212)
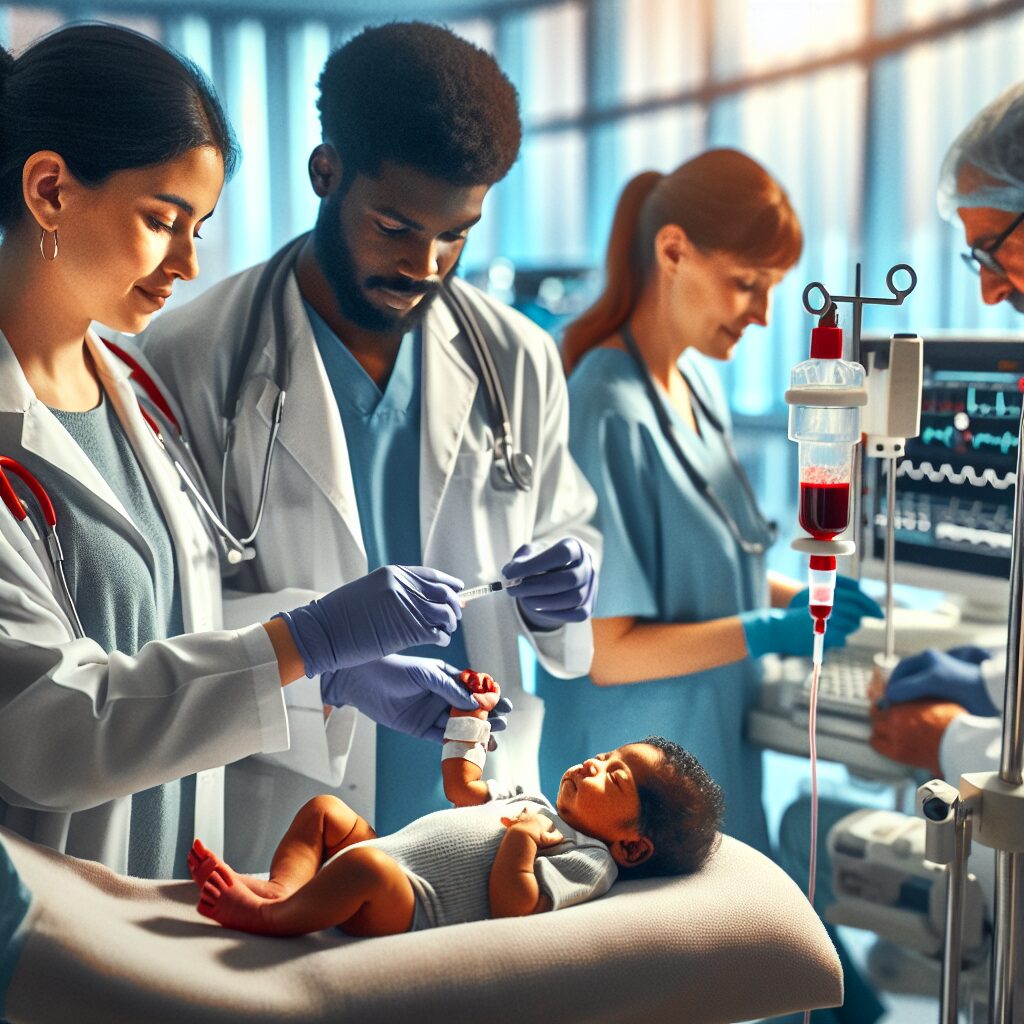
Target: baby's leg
(322,827)
(365,892)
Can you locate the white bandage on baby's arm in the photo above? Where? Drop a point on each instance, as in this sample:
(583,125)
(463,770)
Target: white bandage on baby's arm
(466,737)
(473,752)
(467,729)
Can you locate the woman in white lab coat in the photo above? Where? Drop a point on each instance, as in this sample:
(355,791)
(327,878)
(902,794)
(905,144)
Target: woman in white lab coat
(116,690)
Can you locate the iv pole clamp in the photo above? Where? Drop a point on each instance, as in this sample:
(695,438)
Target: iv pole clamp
(859,301)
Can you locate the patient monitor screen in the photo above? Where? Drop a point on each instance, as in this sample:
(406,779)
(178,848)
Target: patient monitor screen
(955,486)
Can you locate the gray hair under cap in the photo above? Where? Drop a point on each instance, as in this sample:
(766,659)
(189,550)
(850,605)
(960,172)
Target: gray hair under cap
(985,165)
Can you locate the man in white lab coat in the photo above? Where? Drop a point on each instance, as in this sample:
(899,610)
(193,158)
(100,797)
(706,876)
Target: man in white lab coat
(390,440)
(945,708)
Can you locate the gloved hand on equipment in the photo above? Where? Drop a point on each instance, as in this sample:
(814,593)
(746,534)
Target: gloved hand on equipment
(790,630)
(953,675)
(410,695)
(559,583)
(388,610)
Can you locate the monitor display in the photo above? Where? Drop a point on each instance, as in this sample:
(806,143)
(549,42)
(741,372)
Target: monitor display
(955,485)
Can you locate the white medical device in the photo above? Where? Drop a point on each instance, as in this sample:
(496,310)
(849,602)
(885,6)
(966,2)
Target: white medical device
(884,882)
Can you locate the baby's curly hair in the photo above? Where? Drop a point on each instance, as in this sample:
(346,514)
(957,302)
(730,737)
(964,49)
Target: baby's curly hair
(681,811)
(418,95)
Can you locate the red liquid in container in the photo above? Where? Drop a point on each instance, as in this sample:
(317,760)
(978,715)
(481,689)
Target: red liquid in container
(820,612)
(824,509)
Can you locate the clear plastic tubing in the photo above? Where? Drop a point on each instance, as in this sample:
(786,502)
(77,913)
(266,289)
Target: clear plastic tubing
(819,643)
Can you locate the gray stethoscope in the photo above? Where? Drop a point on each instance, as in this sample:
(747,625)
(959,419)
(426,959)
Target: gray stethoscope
(768,530)
(516,466)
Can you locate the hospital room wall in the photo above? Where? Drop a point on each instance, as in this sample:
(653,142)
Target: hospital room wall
(855,128)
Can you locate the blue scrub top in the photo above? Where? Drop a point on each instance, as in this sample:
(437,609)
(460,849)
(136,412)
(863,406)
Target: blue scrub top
(667,558)
(382,433)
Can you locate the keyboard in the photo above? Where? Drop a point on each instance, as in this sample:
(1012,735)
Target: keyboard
(844,724)
(779,721)
(843,686)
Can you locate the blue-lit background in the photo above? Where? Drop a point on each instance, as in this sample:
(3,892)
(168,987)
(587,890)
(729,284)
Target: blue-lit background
(851,103)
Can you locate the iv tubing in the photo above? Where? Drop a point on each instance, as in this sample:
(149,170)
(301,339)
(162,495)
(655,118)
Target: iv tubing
(819,646)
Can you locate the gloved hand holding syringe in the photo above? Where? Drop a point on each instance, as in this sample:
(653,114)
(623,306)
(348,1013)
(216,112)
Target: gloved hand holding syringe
(554,583)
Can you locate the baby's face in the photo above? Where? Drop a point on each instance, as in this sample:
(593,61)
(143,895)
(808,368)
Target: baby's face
(601,796)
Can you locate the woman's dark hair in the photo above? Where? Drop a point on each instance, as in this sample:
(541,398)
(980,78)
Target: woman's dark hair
(106,99)
(418,95)
(722,199)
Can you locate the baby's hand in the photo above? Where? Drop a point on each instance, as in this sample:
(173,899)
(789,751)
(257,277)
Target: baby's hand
(538,826)
(484,688)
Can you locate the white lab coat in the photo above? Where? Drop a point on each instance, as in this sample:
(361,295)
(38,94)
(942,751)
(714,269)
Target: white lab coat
(81,729)
(972,743)
(470,524)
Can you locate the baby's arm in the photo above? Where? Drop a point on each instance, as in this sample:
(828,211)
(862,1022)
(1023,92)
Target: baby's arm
(513,887)
(463,778)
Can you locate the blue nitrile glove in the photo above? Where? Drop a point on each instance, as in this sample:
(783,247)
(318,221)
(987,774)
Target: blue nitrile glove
(410,695)
(850,605)
(953,675)
(388,610)
(559,582)
(788,631)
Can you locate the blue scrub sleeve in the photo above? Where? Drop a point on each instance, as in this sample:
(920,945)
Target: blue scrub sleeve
(617,457)
(15,899)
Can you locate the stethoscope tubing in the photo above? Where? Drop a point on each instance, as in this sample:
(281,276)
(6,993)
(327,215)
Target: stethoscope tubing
(518,466)
(768,529)
(237,549)
(270,285)
(54,551)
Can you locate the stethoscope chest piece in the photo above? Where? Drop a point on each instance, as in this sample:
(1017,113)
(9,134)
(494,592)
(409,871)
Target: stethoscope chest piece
(514,468)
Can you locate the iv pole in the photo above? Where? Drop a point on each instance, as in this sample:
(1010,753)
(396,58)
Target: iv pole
(1006,938)
(991,806)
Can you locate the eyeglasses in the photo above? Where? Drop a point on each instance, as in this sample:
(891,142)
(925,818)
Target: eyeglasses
(985,256)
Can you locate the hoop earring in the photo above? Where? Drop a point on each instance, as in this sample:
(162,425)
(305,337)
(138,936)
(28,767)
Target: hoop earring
(42,251)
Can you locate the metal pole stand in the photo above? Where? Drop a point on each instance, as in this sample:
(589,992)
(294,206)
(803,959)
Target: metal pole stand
(992,806)
(948,841)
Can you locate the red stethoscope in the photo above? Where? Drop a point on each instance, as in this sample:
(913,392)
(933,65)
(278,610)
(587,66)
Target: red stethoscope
(236,550)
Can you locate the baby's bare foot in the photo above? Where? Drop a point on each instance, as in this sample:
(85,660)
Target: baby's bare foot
(202,861)
(230,903)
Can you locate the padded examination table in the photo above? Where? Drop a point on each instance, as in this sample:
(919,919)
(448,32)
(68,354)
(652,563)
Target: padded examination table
(735,941)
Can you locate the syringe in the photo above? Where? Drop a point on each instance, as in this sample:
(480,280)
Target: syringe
(484,589)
